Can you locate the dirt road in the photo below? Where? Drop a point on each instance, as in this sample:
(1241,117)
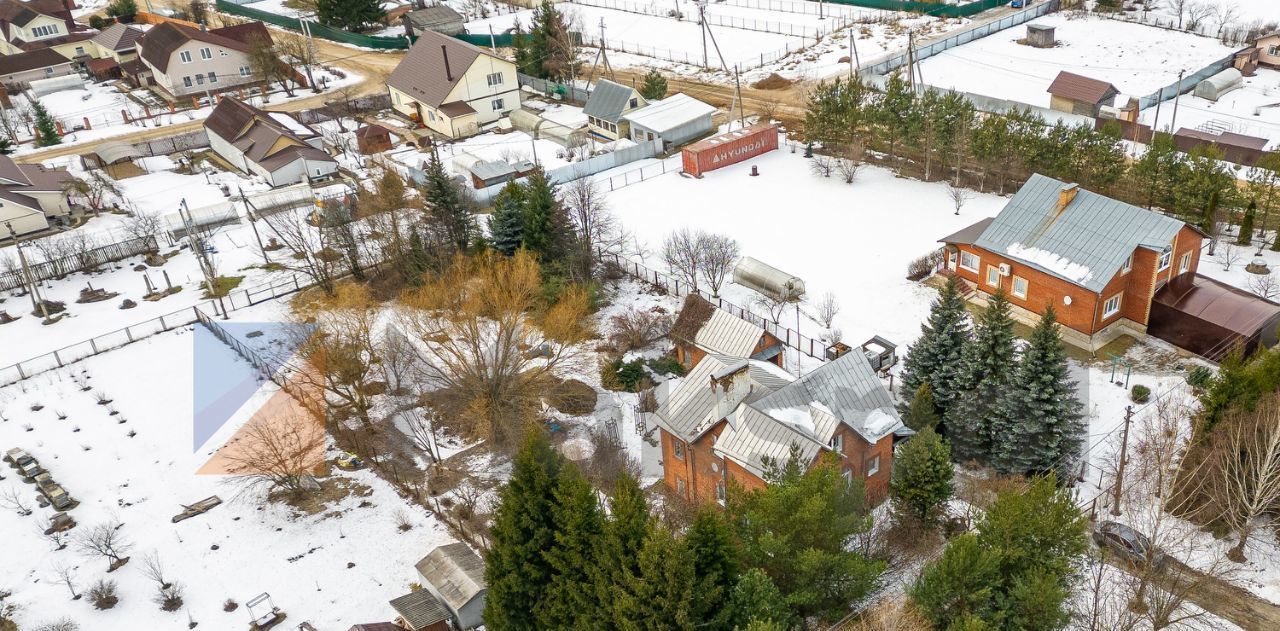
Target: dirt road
(1214,595)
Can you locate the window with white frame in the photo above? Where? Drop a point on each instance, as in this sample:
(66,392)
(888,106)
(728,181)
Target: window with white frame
(677,449)
(497,104)
(494,78)
(993,276)
(186,81)
(720,493)
(969,261)
(951,260)
(847,474)
(200,79)
(205,53)
(185,56)
(1020,287)
(431,114)
(79,50)
(213,77)
(1128,265)
(244,71)
(48,70)
(1273,50)
(873,466)
(837,443)
(1165,257)
(45,31)
(1184,263)
(1112,305)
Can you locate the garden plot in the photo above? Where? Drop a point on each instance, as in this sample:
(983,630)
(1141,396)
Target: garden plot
(1137,59)
(1252,110)
(340,563)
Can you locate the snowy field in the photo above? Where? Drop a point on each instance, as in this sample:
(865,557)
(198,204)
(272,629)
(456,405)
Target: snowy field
(1250,110)
(1137,59)
(332,569)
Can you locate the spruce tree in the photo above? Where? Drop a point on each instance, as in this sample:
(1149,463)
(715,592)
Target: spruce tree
(654,86)
(449,213)
(624,534)
(1246,225)
(46,129)
(715,568)
(1037,425)
(516,569)
(986,369)
(756,599)
(922,474)
(416,261)
(506,224)
(569,600)
(349,15)
(546,228)
(923,412)
(935,357)
(661,597)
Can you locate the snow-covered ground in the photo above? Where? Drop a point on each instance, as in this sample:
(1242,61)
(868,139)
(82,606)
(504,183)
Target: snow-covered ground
(1252,110)
(332,568)
(1137,59)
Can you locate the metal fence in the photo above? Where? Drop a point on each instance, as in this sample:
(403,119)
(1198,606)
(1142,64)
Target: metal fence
(936,9)
(726,21)
(1187,83)
(317,29)
(568,92)
(79,261)
(813,8)
(686,57)
(886,63)
(174,144)
(814,348)
(635,176)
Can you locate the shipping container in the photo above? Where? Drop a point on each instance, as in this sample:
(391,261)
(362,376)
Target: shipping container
(730,148)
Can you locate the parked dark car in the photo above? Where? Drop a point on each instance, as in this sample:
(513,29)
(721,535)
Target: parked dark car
(1128,543)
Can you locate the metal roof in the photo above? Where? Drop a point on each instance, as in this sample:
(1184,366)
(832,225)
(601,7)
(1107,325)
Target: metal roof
(114,151)
(422,73)
(118,37)
(456,572)
(670,113)
(753,436)
(727,334)
(609,100)
(419,609)
(1208,317)
(34,60)
(968,234)
(1086,243)
(1069,85)
(691,407)
(845,388)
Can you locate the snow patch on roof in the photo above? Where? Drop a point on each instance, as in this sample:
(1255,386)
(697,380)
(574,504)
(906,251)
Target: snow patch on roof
(797,418)
(879,423)
(1057,264)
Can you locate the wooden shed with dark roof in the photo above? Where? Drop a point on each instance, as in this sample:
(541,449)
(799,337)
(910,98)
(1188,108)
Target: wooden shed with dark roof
(372,139)
(1078,94)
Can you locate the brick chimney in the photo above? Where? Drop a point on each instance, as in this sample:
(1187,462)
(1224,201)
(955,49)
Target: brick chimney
(1065,195)
(448,74)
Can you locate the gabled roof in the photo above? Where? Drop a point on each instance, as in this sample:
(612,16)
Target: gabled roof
(1076,87)
(456,572)
(21,12)
(258,135)
(752,438)
(159,43)
(420,609)
(11,173)
(968,234)
(715,330)
(118,37)
(435,15)
(422,74)
(691,408)
(609,100)
(846,389)
(669,113)
(34,60)
(1086,243)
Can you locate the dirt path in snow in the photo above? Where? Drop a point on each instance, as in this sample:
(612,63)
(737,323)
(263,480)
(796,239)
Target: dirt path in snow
(1214,595)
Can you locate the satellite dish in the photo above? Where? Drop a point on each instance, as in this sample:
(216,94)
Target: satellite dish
(1066,300)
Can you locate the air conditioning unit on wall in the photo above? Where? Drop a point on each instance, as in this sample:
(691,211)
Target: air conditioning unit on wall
(1004,269)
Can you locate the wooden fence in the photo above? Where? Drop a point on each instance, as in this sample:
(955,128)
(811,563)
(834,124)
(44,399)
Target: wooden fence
(79,261)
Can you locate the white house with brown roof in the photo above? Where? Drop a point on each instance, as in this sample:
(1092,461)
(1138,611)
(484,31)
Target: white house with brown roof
(452,87)
(185,61)
(31,195)
(118,42)
(27,25)
(274,145)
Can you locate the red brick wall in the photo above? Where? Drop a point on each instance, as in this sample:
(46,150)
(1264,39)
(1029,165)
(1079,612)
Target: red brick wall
(700,468)
(1042,289)
(689,355)
(858,456)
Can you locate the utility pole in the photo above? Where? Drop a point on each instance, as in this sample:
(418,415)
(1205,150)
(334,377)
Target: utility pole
(37,303)
(311,55)
(1124,451)
(198,246)
(702,23)
(911,64)
(493,43)
(737,92)
(253,223)
(854,62)
(1173,126)
(1155,123)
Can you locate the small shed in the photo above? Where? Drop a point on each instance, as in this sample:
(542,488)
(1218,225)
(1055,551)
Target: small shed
(674,120)
(1041,36)
(372,139)
(114,157)
(606,106)
(421,611)
(768,280)
(1078,94)
(1211,318)
(454,574)
(1219,84)
(103,69)
(437,17)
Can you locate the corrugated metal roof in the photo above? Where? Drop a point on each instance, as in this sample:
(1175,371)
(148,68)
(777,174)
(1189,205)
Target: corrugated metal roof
(609,100)
(456,572)
(419,609)
(670,113)
(727,334)
(113,151)
(1076,87)
(1086,244)
(422,75)
(753,437)
(846,387)
(968,234)
(691,407)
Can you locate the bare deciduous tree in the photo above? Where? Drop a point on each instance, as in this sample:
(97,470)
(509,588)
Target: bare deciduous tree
(11,499)
(1243,470)
(341,350)
(299,52)
(1228,254)
(958,195)
(421,424)
(718,254)
(65,575)
(62,624)
(95,189)
(683,257)
(849,161)
(828,309)
(774,305)
(153,568)
(266,65)
(1264,286)
(311,248)
(141,224)
(277,452)
(635,328)
(106,541)
(596,227)
(822,166)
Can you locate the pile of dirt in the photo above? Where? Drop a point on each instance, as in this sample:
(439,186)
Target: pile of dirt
(772,82)
(573,397)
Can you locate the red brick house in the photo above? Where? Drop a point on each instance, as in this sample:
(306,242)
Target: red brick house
(701,328)
(1098,261)
(730,417)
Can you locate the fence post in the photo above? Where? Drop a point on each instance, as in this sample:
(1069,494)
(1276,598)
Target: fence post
(20,372)
(57,358)
(93,345)
(164,327)
(128,334)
